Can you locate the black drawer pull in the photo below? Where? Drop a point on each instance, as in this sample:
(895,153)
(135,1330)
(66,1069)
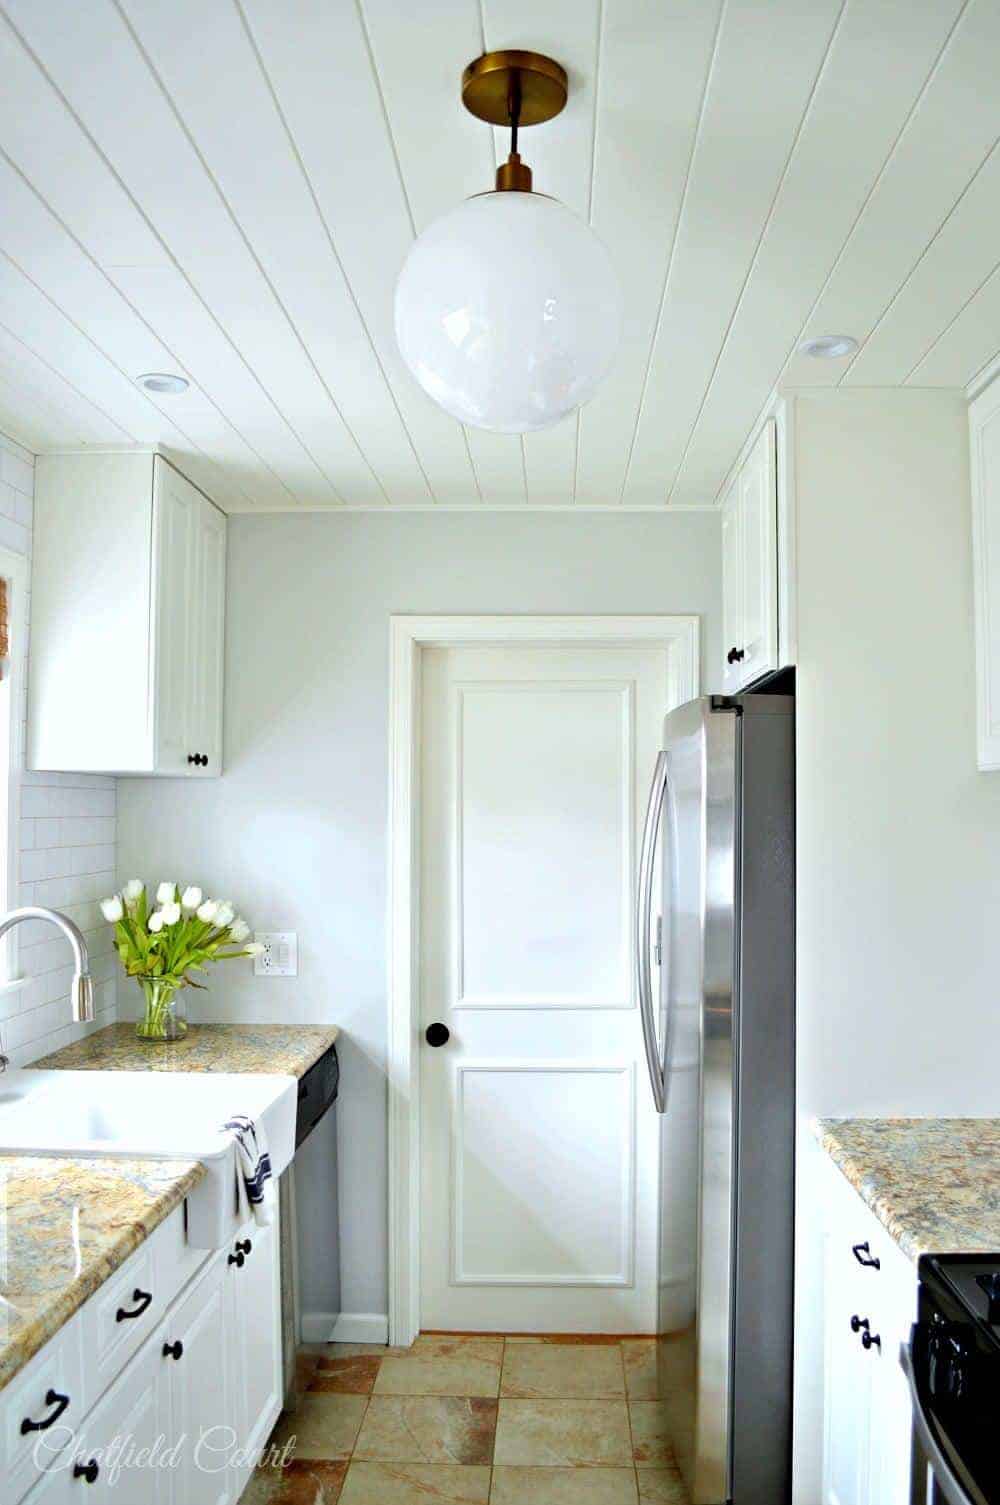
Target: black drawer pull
(864,1256)
(88,1471)
(52,1398)
(173,1350)
(239,1260)
(243,1246)
(143,1298)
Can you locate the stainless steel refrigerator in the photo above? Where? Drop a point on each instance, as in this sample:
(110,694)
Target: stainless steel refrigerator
(715,960)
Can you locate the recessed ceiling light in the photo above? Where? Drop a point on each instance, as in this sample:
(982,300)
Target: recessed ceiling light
(163,381)
(829,347)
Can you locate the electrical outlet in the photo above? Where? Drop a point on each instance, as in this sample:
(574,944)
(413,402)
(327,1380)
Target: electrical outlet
(280,956)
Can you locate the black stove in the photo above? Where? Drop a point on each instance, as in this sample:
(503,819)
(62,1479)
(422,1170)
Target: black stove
(954,1362)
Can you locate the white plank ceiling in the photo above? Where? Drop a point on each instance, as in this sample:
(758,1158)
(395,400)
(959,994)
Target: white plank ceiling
(227,188)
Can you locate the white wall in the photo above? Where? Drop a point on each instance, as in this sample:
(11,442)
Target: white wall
(65,849)
(898,835)
(295,832)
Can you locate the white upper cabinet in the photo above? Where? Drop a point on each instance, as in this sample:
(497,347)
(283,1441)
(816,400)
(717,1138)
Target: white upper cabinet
(750,567)
(984,434)
(128,602)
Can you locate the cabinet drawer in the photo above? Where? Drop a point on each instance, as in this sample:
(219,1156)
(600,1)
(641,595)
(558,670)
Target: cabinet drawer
(119,1318)
(50,1391)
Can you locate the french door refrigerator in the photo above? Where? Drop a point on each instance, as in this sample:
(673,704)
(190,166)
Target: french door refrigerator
(715,972)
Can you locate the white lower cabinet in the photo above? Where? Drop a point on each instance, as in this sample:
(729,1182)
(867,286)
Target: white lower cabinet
(870,1303)
(183,1418)
(201,1422)
(253,1295)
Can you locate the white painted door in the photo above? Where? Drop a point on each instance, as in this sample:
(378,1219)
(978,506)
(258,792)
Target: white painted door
(201,1391)
(127,1422)
(758,508)
(207,607)
(538,1134)
(175,521)
(732,591)
(253,1321)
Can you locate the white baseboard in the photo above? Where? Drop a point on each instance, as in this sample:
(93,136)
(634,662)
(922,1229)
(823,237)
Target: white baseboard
(348,1327)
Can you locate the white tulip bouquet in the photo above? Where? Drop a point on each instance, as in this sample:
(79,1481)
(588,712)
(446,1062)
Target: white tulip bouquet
(160,946)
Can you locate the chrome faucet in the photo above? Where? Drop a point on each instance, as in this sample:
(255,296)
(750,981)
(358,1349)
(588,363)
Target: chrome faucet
(82,990)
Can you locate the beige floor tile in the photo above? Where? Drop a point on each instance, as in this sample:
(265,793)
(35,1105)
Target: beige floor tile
(452,1346)
(639,1355)
(563,1486)
(415,1484)
(428,1429)
(535,1371)
(311,1482)
(661,1486)
(324,1426)
(353,1376)
(565,1338)
(552,1432)
(457,1371)
(355,1350)
(649,1433)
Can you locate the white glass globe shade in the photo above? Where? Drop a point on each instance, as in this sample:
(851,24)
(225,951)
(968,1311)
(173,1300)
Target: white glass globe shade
(508,311)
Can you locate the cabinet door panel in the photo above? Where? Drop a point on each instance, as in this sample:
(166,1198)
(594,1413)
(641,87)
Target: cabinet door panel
(847,1386)
(201,1389)
(173,570)
(758,507)
(254,1306)
(120,1438)
(204,714)
(732,590)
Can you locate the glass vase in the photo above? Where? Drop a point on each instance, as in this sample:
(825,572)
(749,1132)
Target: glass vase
(162,1019)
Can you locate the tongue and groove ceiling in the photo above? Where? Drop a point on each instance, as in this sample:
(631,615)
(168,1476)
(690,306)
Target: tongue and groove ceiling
(227,188)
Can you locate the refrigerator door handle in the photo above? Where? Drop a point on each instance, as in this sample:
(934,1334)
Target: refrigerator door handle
(643,913)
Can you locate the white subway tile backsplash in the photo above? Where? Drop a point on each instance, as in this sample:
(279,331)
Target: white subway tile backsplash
(66,854)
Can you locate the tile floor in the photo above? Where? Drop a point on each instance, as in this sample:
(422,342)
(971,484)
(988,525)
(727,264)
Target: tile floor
(475,1421)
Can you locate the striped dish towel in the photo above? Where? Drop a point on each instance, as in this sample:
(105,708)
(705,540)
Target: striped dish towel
(253,1171)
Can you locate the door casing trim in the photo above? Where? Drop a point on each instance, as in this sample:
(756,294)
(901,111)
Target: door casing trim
(408,637)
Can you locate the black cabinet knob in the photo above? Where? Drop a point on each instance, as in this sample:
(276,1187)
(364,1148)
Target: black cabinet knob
(200,760)
(735,656)
(871,1340)
(437,1034)
(173,1350)
(239,1260)
(243,1246)
(857,1323)
(88,1471)
(192,757)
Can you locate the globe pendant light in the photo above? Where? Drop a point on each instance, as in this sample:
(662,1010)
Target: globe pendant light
(508,310)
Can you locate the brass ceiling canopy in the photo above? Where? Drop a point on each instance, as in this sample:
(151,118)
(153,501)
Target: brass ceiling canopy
(514,88)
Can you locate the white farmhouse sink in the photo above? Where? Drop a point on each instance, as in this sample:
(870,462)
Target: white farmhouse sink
(155,1115)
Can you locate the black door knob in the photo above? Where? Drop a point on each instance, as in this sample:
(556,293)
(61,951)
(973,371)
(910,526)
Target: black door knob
(239,1260)
(88,1471)
(735,656)
(437,1034)
(243,1246)
(173,1350)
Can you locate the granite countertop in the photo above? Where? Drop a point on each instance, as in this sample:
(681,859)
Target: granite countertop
(933,1183)
(66,1225)
(285,1049)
